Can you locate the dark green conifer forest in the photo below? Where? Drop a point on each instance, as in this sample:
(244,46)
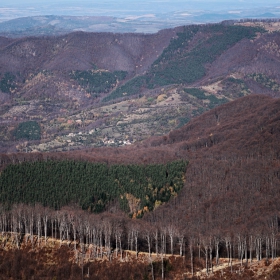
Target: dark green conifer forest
(91,185)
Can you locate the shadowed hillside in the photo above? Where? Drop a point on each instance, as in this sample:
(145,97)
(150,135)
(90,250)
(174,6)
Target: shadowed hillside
(83,51)
(232,181)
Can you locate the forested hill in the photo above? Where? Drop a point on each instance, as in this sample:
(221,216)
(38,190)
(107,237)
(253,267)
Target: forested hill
(224,202)
(82,51)
(246,127)
(226,145)
(233,179)
(102,89)
(208,178)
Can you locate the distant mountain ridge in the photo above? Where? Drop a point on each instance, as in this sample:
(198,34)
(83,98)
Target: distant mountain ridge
(151,22)
(54,25)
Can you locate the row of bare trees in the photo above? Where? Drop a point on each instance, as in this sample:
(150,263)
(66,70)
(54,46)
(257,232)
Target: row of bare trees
(114,235)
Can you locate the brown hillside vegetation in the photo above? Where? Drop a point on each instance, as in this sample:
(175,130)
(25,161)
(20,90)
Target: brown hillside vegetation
(101,89)
(249,56)
(233,152)
(229,206)
(247,127)
(79,51)
(232,182)
(53,262)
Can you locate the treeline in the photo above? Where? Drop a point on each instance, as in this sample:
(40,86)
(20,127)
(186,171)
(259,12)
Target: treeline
(115,237)
(94,186)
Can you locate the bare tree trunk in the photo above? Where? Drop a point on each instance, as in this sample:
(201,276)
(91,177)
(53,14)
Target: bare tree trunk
(273,241)
(107,228)
(38,228)
(246,251)
(260,247)
(52,222)
(120,242)
(162,265)
(191,253)
(181,242)
(45,221)
(131,240)
(136,234)
(251,246)
(163,240)
(258,244)
(152,268)
(14,230)
(241,248)
(148,239)
(206,260)
(31,224)
(267,248)
(100,243)
(227,247)
(217,243)
(156,240)
(116,249)
(95,241)
(55,229)
(210,255)
(171,232)
(230,255)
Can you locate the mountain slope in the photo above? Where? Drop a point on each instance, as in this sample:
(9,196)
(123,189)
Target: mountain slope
(230,196)
(232,181)
(233,172)
(82,51)
(80,96)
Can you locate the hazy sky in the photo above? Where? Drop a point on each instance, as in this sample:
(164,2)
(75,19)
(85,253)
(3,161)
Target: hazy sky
(120,8)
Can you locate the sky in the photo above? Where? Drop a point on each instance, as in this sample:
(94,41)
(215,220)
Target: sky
(10,9)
